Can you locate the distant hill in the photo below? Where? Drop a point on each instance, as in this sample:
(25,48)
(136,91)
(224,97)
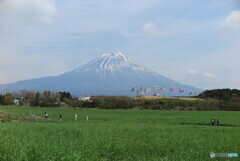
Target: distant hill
(109,74)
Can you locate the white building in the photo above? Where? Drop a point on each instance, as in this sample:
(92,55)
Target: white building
(84,98)
(16,102)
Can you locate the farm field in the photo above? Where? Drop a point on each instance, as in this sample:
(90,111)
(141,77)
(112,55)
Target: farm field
(132,135)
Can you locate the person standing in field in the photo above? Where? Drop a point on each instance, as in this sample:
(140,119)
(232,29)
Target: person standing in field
(60,116)
(75,117)
(46,115)
(218,123)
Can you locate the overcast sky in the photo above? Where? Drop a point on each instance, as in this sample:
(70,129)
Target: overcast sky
(193,42)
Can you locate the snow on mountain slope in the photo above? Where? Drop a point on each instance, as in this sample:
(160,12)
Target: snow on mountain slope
(109,74)
(112,62)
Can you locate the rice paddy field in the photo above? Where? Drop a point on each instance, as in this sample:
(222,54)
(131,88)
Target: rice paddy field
(115,135)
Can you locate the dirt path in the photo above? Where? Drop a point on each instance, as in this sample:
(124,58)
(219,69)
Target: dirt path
(7,117)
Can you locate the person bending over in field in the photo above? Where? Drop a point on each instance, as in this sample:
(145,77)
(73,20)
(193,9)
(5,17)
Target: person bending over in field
(46,115)
(212,122)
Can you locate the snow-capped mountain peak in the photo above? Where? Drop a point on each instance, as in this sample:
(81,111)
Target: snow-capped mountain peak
(111,62)
(114,54)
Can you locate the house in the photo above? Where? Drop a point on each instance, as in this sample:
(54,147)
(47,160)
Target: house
(16,102)
(84,98)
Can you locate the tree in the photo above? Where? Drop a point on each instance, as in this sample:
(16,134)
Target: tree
(37,97)
(8,99)
(65,96)
(1,99)
(220,94)
(27,98)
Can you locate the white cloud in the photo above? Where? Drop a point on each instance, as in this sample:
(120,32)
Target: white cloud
(26,12)
(231,22)
(20,22)
(150,30)
(210,75)
(192,72)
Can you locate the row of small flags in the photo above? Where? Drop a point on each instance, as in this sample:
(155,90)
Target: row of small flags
(161,89)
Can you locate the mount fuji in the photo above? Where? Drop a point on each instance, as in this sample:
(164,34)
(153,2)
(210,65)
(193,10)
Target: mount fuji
(109,74)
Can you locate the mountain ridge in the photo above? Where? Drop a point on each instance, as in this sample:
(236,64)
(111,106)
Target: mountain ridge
(109,74)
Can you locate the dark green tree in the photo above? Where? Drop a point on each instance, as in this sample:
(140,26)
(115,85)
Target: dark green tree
(37,97)
(8,99)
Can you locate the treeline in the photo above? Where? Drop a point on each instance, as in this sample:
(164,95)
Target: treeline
(219,99)
(221,94)
(223,99)
(122,102)
(42,99)
(6,99)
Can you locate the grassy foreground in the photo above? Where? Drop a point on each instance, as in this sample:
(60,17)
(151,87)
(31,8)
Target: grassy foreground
(118,135)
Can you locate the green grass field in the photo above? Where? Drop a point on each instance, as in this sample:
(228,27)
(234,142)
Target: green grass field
(118,135)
